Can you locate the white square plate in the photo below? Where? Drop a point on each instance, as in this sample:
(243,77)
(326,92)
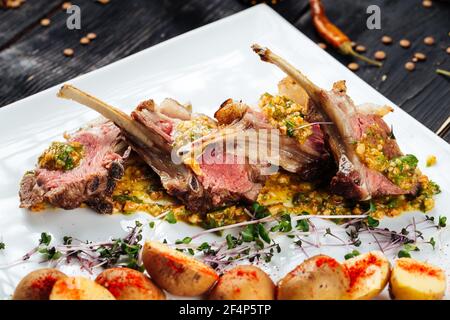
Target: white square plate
(205,66)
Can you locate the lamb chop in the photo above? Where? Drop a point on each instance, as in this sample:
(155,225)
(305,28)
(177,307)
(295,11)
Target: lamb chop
(309,159)
(84,169)
(370,163)
(167,136)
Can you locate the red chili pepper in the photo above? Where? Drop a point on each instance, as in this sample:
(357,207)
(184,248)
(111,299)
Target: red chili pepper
(332,34)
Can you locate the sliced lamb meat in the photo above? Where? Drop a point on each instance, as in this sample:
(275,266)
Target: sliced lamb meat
(84,169)
(359,176)
(309,159)
(201,144)
(154,132)
(202,184)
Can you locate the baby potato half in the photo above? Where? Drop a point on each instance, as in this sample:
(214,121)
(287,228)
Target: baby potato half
(369,274)
(317,278)
(129,284)
(37,285)
(176,272)
(79,288)
(244,283)
(416,280)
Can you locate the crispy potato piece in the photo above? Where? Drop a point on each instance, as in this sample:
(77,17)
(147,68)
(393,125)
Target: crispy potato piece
(37,285)
(369,274)
(317,278)
(79,288)
(293,91)
(176,272)
(415,280)
(244,283)
(129,284)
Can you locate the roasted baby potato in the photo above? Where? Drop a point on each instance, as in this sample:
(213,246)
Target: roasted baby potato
(176,272)
(129,284)
(37,285)
(317,278)
(244,283)
(79,288)
(415,280)
(369,274)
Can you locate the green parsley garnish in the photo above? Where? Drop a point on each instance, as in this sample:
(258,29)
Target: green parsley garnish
(352,254)
(170,218)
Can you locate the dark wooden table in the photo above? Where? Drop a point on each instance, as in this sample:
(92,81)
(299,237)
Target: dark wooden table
(31,56)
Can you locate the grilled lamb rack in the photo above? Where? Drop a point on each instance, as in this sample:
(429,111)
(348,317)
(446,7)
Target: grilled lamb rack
(157,133)
(152,132)
(354,179)
(82,170)
(308,159)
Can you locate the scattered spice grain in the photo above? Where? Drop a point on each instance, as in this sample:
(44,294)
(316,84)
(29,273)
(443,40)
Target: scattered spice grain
(360,48)
(68,52)
(380,55)
(427,3)
(405,43)
(420,56)
(386,40)
(66,5)
(45,22)
(91,36)
(429,41)
(353,66)
(410,66)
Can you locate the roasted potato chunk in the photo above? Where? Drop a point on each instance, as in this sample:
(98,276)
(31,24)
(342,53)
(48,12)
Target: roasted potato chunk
(244,283)
(37,285)
(79,288)
(415,280)
(317,278)
(369,274)
(129,284)
(176,272)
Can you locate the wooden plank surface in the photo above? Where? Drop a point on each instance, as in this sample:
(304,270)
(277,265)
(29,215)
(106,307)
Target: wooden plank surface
(15,23)
(31,56)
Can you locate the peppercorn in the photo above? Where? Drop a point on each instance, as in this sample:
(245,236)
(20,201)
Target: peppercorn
(66,5)
(410,66)
(45,22)
(405,43)
(386,40)
(353,66)
(380,55)
(68,52)
(360,48)
(429,41)
(427,3)
(91,36)
(420,56)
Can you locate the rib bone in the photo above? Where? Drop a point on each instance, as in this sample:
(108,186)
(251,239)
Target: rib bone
(121,119)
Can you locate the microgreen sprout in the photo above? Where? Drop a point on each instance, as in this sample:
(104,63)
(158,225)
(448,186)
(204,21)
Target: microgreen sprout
(352,254)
